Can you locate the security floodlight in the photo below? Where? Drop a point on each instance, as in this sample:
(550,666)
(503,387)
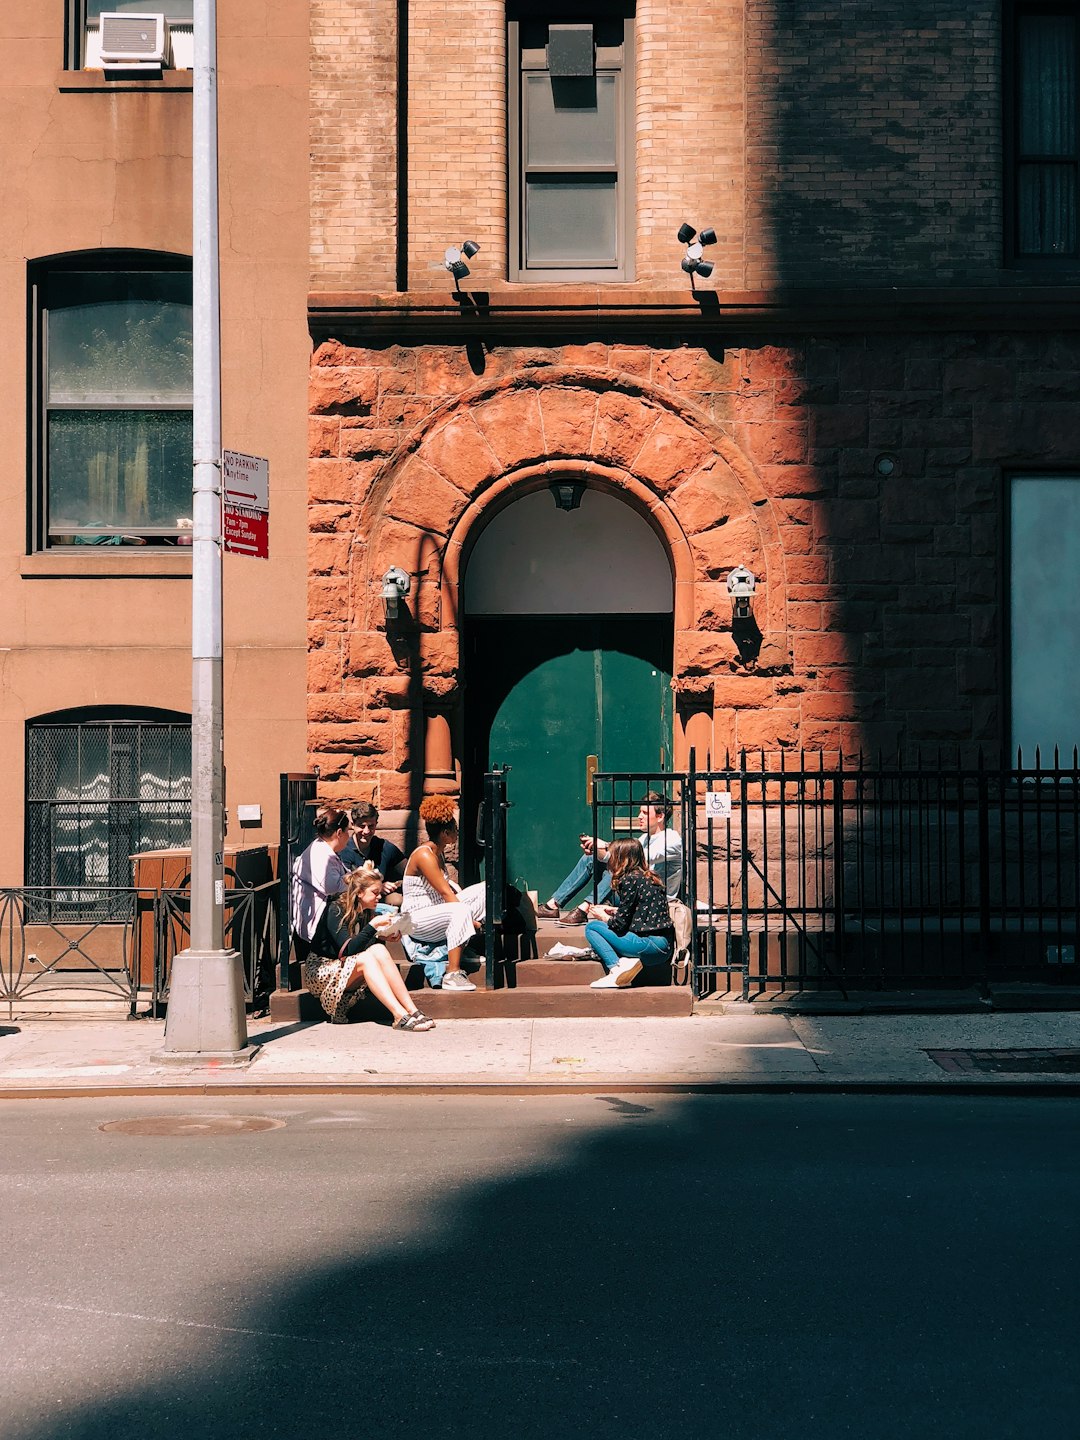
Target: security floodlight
(395,586)
(454,263)
(692,263)
(454,258)
(741,584)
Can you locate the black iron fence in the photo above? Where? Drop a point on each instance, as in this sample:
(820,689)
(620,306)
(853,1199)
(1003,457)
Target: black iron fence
(297,830)
(821,872)
(835,873)
(49,955)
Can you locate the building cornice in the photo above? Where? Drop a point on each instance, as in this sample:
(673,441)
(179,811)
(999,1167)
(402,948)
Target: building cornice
(525,313)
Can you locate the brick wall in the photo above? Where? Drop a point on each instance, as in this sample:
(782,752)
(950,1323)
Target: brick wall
(873,142)
(826,144)
(353,144)
(457,134)
(690,119)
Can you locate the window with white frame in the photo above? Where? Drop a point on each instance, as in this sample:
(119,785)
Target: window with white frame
(1044,614)
(113,426)
(84,29)
(571,98)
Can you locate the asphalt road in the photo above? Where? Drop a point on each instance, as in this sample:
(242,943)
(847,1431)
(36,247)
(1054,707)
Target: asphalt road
(769,1266)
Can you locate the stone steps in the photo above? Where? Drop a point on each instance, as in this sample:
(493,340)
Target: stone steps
(536,988)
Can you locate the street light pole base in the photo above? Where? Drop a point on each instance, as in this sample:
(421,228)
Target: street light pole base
(206,1018)
(206,1057)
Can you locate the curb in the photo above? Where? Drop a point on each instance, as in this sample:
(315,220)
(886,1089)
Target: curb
(604,1086)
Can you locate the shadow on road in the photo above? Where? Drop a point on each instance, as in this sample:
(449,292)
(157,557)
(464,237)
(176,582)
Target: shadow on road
(736,1267)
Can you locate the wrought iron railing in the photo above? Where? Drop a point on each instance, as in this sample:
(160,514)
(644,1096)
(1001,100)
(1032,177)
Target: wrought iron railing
(48,953)
(251,927)
(832,872)
(815,871)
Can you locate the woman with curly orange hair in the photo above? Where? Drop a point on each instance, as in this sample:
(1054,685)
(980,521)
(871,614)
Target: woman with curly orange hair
(437,907)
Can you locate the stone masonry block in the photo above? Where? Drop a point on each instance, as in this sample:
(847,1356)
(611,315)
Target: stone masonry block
(459,452)
(672,451)
(511,425)
(719,550)
(622,423)
(703,503)
(342,392)
(420,496)
(323,435)
(568,419)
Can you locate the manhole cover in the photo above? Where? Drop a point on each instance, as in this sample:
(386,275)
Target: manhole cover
(193,1126)
(1014,1062)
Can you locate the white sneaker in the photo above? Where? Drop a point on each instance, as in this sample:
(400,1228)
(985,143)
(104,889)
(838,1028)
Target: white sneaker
(455,980)
(618,977)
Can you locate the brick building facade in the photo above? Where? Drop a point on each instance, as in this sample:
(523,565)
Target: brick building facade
(840,406)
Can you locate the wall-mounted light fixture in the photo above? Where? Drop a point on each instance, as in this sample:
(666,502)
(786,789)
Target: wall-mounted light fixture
(455,257)
(567,493)
(692,262)
(395,587)
(741,584)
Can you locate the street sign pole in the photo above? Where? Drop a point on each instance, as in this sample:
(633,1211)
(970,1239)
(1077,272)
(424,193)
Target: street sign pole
(206,1017)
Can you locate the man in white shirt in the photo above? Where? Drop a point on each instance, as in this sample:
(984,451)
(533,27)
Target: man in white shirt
(663,853)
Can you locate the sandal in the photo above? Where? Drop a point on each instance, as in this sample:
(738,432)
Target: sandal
(414,1021)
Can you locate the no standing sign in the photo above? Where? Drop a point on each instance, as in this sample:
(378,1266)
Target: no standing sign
(245,504)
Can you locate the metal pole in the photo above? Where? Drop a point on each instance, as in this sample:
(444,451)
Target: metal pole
(206,1015)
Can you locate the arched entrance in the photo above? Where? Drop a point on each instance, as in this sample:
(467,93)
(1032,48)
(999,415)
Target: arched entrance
(567,652)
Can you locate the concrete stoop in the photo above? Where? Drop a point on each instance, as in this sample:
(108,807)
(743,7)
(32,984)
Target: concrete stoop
(533,989)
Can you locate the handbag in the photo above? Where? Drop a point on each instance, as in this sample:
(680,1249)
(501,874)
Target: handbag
(682,922)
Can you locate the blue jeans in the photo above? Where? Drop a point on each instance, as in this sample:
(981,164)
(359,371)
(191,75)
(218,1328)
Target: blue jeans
(649,949)
(583,873)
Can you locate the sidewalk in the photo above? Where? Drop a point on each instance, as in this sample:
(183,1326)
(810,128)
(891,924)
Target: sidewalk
(738,1051)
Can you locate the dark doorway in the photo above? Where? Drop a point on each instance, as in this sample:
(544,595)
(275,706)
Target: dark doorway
(544,692)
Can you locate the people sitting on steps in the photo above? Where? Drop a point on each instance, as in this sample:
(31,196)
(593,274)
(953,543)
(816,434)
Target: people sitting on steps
(349,959)
(663,850)
(437,907)
(366,847)
(317,876)
(638,931)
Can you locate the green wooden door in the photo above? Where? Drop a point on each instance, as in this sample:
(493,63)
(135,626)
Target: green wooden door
(565,689)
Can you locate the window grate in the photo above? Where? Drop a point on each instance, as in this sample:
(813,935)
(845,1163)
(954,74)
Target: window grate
(98,792)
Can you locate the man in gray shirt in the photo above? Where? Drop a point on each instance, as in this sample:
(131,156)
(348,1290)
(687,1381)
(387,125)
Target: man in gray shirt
(663,853)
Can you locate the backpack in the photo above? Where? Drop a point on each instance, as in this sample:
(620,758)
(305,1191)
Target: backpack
(683,922)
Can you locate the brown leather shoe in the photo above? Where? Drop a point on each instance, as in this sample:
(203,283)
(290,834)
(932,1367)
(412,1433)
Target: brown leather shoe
(548,911)
(573,917)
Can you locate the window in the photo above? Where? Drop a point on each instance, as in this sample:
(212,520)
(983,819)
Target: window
(1044,613)
(112,448)
(84,29)
(572,144)
(100,787)
(1045,145)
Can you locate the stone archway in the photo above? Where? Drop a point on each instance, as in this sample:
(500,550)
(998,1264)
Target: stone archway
(490,444)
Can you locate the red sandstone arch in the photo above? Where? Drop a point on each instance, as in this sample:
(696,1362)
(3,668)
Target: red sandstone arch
(487,445)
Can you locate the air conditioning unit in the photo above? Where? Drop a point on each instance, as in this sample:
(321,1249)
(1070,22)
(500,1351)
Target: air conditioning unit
(135,42)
